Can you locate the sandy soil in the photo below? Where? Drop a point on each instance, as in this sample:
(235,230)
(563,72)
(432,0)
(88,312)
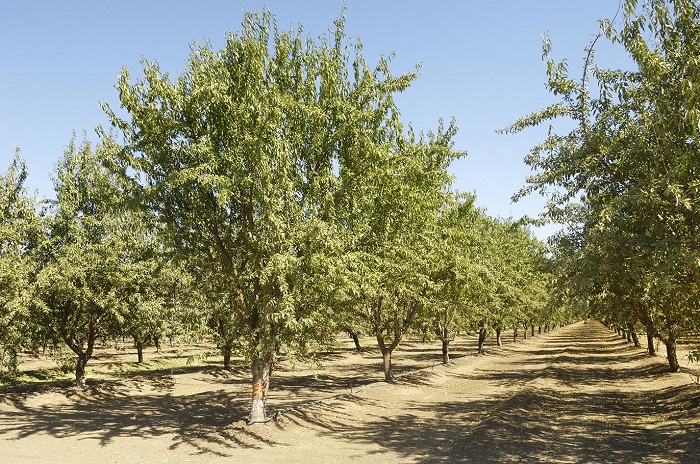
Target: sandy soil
(576,394)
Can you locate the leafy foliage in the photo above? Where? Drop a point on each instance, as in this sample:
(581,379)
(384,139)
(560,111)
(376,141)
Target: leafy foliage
(268,197)
(20,232)
(625,177)
(81,260)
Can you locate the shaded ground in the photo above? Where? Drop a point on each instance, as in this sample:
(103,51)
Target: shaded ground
(577,394)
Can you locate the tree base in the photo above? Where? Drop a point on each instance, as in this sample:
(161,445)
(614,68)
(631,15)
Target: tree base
(260,421)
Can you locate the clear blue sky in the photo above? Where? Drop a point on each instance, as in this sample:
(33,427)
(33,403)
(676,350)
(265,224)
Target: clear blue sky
(481,63)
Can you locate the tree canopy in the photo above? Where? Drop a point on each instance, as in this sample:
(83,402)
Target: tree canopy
(266,199)
(625,177)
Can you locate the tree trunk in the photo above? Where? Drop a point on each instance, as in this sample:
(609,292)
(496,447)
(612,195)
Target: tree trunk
(635,339)
(156,342)
(356,340)
(443,333)
(261,369)
(532,333)
(139,351)
(539,329)
(80,370)
(400,327)
(498,337)
(83,356)
(226,352)
(445,350)
(672,356)
(650,343)
(515,334)
(11,360)
(482,338)
(386,362)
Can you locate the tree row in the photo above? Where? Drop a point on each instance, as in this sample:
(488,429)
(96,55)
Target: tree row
(269,197)
(625,178)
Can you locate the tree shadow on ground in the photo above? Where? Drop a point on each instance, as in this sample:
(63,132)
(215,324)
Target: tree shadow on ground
(209,421)
(538,426)
(111,412)
(535,426)
(104,411)
(583,413)
(580,415)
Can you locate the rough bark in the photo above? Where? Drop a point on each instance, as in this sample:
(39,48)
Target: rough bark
(139,351)
(261,369)
(672,355)
(445,350)
(635,339)
(443,333)
(386,363)
(356,340)
(650,343)
(77,347)
(482,338)
(386,351)
(80,370)
(400,327)
(226,351)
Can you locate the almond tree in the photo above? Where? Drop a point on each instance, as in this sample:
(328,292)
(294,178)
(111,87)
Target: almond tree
(239,158)
(80,262)
(155,292)
(626,176)
(392,227)
(456,258)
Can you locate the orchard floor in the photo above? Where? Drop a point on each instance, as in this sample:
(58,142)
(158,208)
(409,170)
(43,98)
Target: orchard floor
(575,394)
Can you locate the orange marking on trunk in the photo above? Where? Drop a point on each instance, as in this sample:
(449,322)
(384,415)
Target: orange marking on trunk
(258,389)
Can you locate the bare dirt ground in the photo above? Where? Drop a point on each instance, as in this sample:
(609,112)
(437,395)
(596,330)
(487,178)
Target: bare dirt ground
(576,394)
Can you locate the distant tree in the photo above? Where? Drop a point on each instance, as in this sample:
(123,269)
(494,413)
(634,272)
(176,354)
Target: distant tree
(80,262)
(391,220)
(155,291)
(455,265)
(513,281)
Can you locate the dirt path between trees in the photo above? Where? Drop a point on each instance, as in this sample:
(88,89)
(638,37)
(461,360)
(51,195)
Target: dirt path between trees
(576,394)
